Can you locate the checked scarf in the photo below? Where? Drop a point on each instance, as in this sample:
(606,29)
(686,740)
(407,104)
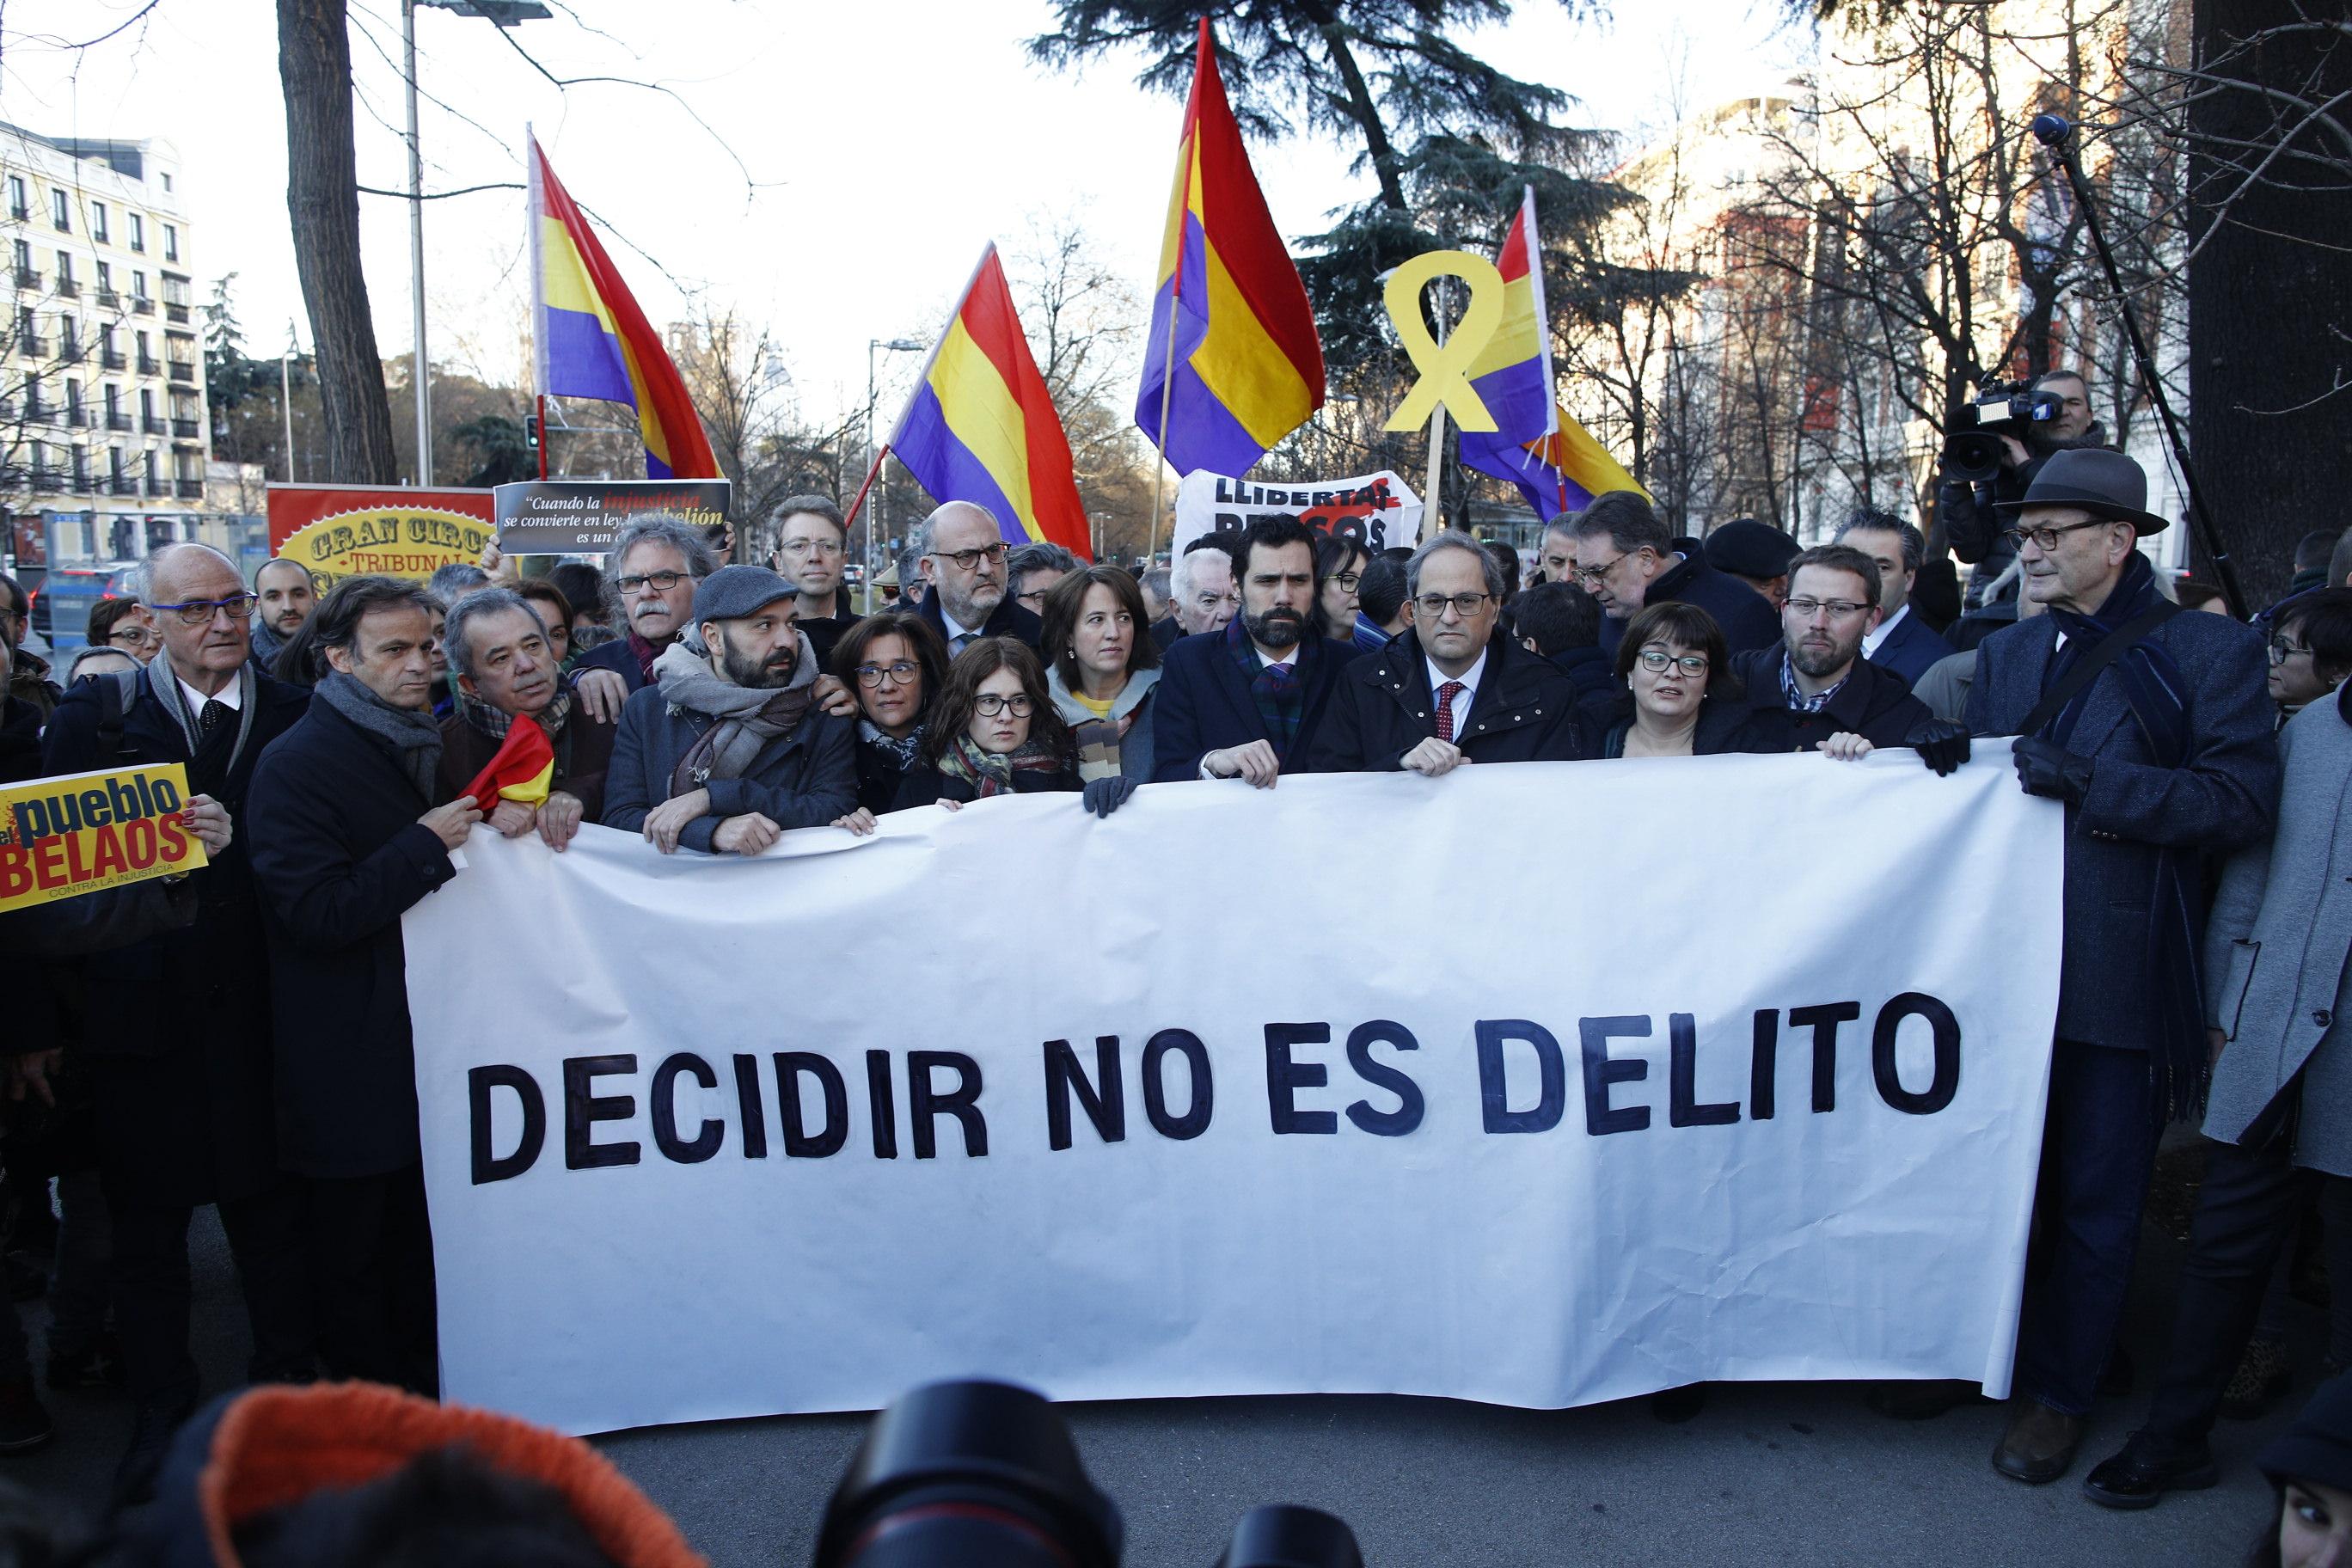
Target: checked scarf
(1274,688)
(991,773)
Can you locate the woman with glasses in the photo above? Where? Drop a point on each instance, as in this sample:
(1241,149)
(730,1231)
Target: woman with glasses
(1105,670)
(895,666)
(994,732)
(2311,648)
(1339,567)
(123,625)
(1678,681)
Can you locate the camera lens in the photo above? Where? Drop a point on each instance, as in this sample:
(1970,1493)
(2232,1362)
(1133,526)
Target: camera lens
(1972,455)
(980,1474)
(1283,1535)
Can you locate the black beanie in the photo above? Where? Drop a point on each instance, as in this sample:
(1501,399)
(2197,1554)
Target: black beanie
(2318,1447)
(1746,548)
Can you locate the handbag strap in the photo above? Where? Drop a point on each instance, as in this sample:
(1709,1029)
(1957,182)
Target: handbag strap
(2109,648)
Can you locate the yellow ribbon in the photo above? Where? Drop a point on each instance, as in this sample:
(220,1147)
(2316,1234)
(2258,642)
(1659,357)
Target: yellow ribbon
(1444,367)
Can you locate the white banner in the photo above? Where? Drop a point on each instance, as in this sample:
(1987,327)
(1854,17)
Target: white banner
(1726,1068)
(1380,510)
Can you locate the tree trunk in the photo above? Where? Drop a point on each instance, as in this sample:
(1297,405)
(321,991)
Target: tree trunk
(314,61)
(2269,318)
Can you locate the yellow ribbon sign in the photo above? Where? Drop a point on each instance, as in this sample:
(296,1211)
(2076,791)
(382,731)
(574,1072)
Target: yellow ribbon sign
(1444,367)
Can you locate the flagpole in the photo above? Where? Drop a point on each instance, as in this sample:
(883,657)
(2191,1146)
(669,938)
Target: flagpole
(1167,384)
(881,456)
(1433,498)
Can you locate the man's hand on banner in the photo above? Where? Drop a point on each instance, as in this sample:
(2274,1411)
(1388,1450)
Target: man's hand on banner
(559,819)
(1433,758)
(2049,770)
(1941,744)
(601,692)
(1847,747)
(1103,796)
(208,820)
(749,834)
(860,822)
(511,818)
(1255,762)
(451,823)
(832,697)
(665,822)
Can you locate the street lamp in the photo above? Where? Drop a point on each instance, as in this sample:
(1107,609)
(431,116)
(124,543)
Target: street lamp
(896,346)
(506,14)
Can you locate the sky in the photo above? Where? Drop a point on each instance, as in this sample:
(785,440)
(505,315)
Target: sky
(829,171)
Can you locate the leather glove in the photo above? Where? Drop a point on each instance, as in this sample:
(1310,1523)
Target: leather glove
(1941,744)
(1103,796)
(2046,769)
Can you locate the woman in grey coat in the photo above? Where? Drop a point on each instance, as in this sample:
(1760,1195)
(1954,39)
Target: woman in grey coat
(1102,668)
(2278,994)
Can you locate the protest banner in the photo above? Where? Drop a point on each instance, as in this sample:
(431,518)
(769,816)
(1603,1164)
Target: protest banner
(992,1093)
(349,531)
(564,517)
(1378,509)
(83,833)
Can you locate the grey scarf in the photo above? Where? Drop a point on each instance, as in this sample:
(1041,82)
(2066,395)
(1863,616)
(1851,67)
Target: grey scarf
(411,734)
(267,644)
(748,717)
(165,685)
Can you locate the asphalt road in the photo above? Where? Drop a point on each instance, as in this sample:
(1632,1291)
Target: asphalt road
(1767,1473)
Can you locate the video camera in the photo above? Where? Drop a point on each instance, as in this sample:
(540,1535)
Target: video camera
(1972,448)
(985,1475)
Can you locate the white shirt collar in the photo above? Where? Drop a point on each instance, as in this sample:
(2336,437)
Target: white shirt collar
(1876,635)
(231,697)
(1267,660)
(955,628)
(1468,678)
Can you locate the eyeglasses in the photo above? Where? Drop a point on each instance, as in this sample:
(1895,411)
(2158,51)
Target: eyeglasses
(966,560)
(809,547)
(1592,576)
(2045,538)
(200,612)
(1658,661)
(899,672)
(1346,580)
(659,582)
(988,704)
(1432,605)
(1839,609)
(2282,650)
(132,636)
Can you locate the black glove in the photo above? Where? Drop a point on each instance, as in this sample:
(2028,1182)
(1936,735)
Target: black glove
(1103,796)
(1941,744)
(2047,770)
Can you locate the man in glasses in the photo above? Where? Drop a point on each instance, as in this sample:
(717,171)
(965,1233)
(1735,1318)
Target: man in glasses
(1448,689)
(2151,727)
(964,598)
(813,555)
(1816,684)
(1034,569)
(729,748)
(1625,558)
(176,1033)
(657,561)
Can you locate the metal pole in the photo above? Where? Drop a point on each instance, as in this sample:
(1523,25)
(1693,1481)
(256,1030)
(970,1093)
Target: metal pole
(419,377)
(1433,512)
(286,399)
(874,466)
(2055,133)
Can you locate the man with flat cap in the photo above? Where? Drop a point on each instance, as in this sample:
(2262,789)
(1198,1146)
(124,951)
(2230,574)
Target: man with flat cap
(2152,727)
(727,748)
(1755,552)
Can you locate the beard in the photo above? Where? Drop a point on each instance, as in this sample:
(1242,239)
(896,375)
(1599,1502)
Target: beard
(757,673)
(1278,627)
(1816,662)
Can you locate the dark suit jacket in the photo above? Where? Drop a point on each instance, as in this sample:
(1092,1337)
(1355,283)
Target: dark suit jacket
(1747,617)
(1204,704)
(582,753)
(2224,795)
(1525,710)
(1912,648)
(1010,618)
(1873,703)
(616,655)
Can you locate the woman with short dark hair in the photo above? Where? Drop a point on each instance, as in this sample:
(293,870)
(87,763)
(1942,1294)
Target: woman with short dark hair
(554,616)
(123,625)
(1105,670)
(1672,662)
(895,665)
(994,732)
(1339,567)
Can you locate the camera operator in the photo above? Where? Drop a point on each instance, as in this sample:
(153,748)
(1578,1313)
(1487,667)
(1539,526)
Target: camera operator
(1991,455)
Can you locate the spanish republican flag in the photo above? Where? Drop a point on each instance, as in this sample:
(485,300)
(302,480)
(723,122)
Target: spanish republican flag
(982,426)
(522,770)
(1245,366)
(591,340)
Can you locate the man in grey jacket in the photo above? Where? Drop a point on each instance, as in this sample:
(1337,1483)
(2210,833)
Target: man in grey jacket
(2279,994)
(2151,727)
(726,750)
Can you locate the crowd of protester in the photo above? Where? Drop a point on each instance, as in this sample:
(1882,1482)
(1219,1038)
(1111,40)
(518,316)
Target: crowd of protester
(711,704)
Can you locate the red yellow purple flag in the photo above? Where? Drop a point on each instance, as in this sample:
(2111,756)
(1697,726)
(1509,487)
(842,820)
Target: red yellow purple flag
(520,770)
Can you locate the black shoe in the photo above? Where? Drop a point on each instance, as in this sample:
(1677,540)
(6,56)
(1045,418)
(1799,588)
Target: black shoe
(24,1423)
(1921,1400)
(1676,1405)
(151,1440)
(2140,1476)
(99,1366)
(2039,1444)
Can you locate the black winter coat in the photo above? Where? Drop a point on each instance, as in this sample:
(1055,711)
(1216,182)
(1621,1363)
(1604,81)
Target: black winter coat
(1592,675)
(1524,710)
(1203,703)
(1010,618)
(927,786)
(1747,617)
(338,856)
(1874,703)
(175,1027)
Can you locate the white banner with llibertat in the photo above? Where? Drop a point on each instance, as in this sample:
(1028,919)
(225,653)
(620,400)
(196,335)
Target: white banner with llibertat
(1682,1071)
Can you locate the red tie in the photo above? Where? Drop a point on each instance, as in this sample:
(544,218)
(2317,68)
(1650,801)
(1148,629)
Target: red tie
(1445,695)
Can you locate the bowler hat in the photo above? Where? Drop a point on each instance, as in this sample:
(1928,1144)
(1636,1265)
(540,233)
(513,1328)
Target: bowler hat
(1746,548)
(733,592)
(2103,483)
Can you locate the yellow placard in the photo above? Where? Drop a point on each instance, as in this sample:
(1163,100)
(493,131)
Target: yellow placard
(82,833)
